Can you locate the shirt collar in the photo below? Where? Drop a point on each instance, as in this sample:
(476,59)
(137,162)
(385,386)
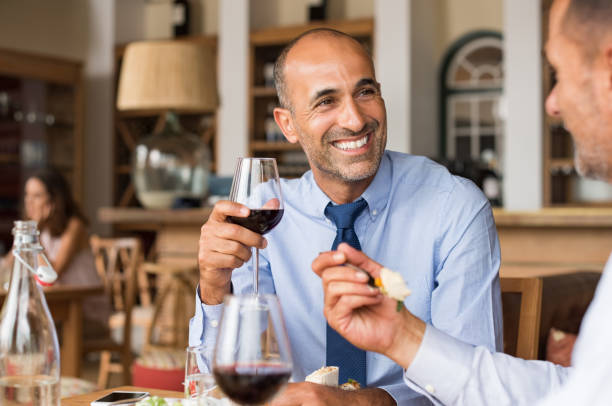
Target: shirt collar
(377,193)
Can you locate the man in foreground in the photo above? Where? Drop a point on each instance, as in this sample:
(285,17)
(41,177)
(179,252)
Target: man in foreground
(449,371)
(380,201)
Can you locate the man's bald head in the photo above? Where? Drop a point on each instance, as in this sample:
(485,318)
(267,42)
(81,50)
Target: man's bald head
(280,82)
(588,22)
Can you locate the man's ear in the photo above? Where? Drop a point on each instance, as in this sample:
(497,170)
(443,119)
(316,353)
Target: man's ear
(284,119)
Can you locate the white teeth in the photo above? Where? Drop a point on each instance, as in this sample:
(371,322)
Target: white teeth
(347,145)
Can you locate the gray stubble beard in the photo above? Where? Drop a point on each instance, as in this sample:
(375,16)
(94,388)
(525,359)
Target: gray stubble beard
(323,162)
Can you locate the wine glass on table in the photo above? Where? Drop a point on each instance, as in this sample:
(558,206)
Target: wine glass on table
(252,359)
(256,185)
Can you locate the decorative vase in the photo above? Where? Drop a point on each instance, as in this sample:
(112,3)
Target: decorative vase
(171,166)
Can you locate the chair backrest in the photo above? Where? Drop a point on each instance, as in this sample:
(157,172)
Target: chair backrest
(521,334)
(117,260)
(174,300)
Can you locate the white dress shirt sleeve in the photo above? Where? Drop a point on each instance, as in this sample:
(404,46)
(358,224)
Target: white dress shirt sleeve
(450,372)
(591,381)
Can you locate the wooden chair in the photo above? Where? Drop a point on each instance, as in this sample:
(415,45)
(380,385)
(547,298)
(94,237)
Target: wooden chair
(173,304)
(521,337)
(116,261)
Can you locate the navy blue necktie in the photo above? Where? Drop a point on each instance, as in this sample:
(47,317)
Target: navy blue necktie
(350,359)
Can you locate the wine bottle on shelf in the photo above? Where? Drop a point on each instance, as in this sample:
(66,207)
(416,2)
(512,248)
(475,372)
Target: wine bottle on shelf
(29,350)
(490,178)
(180,17)
(273,132)
(317,10)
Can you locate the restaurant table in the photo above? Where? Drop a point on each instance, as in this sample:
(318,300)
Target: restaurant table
(85,400)
(66,306)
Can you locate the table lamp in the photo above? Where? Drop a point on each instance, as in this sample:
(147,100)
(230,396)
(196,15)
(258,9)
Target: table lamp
(171,77)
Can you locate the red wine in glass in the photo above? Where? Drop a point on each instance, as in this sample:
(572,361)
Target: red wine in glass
(252,359)
(256,185)
(260,221)
(251,384)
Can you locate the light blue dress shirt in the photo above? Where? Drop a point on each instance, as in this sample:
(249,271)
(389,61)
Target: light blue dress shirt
(436,229)
(473,376)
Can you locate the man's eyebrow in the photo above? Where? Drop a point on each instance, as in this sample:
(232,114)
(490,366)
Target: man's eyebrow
(367,81)
(321,93)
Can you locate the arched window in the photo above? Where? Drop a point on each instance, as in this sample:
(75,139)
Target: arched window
(471,87)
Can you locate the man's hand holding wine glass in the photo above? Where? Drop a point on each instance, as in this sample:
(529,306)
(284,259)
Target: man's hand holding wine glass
(223,246)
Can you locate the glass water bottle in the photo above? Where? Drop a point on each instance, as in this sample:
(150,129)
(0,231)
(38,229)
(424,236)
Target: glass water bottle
(29,350)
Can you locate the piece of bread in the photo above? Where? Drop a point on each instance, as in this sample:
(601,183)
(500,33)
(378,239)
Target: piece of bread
(324,376)
(392,284)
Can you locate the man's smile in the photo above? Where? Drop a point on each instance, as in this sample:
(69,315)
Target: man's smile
(353,145)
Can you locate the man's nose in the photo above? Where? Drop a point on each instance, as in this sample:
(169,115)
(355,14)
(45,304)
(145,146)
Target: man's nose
(552,105)
(351,117)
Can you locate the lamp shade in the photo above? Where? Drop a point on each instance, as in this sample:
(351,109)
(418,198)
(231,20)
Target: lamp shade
(171,75)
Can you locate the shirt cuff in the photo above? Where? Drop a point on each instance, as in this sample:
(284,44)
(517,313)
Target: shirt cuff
(441,367)
(205,323)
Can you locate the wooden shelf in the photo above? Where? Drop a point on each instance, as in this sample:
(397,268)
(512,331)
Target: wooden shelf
(157,112)
(123,169)
(562,164)
(282,35)
(263,91)
(58,144)
(9,158)
(63,166)
(274,146)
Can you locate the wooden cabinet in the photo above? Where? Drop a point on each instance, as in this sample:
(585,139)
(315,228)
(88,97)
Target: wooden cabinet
(265,138)
(41,124)
(132,126)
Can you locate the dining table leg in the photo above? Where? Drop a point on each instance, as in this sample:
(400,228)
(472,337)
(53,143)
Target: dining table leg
(72,343)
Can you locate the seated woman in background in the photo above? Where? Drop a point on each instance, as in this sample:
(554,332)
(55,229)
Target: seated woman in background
(64,237)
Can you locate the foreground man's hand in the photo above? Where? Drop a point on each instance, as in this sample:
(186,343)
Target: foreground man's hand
(313,394)
(223,247)
(362,314)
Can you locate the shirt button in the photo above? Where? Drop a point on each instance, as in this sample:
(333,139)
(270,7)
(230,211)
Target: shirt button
(374,212)
(430,389)
(214,323)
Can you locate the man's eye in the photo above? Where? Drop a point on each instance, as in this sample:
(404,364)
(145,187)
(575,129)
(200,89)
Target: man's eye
(367,92)
(324,102)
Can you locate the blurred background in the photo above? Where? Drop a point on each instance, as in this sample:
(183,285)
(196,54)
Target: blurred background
(464,83)
(144,106)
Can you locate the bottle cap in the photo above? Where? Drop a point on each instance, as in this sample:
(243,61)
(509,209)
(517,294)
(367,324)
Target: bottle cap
(45,275)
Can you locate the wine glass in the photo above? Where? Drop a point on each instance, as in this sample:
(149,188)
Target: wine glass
(252,358)
(198,372)
(256,185)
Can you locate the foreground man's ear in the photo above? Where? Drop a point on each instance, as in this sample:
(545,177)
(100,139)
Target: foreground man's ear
(284,119)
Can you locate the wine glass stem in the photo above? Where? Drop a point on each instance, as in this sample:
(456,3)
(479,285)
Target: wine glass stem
(256,271)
